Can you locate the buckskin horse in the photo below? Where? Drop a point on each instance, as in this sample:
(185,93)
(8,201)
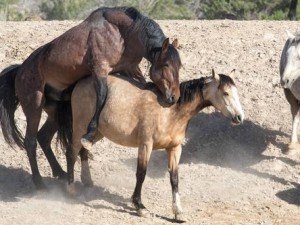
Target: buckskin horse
(109,40)
(140,119)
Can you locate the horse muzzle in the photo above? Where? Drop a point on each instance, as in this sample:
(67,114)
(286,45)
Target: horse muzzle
(238,119)
(284,83)
(171,98)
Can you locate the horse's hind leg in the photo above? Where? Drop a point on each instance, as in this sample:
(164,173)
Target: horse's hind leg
(45,136)
(86,178)
(173,161)
(294,146)
(142,163)
(32,108)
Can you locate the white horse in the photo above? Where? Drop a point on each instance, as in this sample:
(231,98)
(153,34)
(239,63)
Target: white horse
(289,75)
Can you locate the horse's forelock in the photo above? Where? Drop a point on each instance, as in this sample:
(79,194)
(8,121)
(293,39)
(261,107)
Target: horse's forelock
(226,80)
(174,55)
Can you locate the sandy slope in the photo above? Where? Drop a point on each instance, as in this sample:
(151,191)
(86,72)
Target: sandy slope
(228,174)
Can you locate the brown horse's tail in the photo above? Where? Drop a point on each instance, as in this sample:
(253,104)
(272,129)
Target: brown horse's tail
(8,105)
(65,120)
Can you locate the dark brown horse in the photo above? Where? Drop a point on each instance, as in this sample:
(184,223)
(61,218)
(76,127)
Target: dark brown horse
(141,120)
(108,41)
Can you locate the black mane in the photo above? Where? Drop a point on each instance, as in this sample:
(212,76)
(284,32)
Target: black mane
(152,35)
(150,31)
(190,89)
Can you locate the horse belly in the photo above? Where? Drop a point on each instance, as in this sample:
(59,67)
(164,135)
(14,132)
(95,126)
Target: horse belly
(117,133)
(118,120)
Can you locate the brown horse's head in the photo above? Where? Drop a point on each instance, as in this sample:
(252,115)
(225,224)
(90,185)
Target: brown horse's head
(164,71)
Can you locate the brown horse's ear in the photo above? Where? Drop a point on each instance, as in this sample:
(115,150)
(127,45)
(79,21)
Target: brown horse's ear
(175,43)
(165,46)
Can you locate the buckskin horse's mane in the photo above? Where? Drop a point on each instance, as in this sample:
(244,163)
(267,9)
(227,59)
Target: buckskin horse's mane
(192,88)
(188,89)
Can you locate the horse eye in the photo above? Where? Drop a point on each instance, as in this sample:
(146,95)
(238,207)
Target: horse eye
(225,93)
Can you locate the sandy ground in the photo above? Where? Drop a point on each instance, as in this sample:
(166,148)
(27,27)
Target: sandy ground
(228,174)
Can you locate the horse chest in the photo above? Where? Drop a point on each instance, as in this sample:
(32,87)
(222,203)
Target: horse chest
(166,136)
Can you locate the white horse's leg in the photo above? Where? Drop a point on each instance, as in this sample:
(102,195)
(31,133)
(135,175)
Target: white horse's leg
(294,137)
(294,146)
(173,161)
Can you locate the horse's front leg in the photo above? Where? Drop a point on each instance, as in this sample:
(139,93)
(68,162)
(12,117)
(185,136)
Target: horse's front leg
(144,153)
(173,161)
(294,146)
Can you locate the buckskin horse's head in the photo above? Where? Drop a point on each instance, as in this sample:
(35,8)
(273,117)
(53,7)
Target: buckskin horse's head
(164,71)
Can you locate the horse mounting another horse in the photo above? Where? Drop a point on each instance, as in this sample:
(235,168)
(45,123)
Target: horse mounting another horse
(134,115)
(289,77)
(110,40)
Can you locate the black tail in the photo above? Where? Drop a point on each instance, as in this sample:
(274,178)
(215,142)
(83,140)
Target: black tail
(64,118)
(8,105)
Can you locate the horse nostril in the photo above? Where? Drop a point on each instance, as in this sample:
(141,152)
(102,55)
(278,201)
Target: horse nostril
(173,99)
(237,119)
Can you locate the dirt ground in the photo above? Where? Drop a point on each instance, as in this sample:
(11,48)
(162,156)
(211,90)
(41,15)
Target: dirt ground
(228,174)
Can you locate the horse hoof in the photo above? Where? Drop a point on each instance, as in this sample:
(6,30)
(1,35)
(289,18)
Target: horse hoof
(71,190)
(39,184)
(179,218)
(87,144)
(87,183)
(293,149)
(143,213)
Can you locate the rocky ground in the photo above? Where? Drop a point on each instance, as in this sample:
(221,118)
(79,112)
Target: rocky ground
(228,174)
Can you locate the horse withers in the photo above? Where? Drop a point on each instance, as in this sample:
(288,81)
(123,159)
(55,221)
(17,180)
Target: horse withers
(110,40)
(290,80)
(135,116)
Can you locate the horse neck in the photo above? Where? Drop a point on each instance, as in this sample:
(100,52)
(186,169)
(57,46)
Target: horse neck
(152,37)
(191,100)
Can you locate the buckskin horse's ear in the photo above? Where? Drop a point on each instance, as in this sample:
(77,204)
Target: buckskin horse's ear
(232,73)
(175,43)
(165,46)
(214,75)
